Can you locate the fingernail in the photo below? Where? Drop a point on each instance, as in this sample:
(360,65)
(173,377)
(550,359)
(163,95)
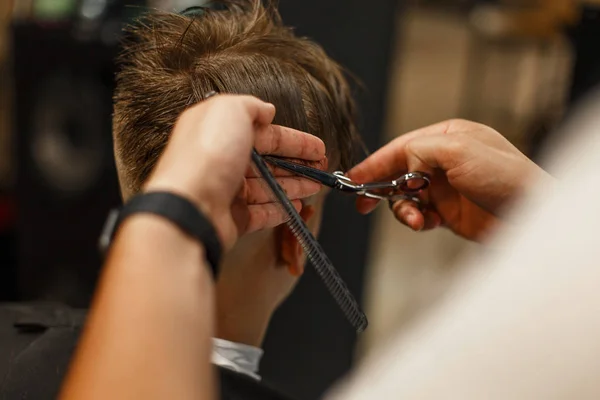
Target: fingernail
(413,223)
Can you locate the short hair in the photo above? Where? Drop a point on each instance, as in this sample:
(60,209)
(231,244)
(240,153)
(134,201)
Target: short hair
(169,61)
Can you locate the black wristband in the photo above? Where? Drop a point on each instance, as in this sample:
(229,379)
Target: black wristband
(176,209)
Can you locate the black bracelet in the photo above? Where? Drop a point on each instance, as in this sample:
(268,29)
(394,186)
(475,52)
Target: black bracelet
(176,209)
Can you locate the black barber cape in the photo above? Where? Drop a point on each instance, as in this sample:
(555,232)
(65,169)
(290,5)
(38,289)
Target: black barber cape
(38,340)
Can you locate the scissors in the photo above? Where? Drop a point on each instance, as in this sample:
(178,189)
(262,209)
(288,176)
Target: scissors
(406,187)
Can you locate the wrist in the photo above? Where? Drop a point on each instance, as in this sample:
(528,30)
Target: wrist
(535,174)
(204,199)
(142,232)
(178,212)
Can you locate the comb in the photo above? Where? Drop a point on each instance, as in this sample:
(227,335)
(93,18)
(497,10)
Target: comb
(313,250)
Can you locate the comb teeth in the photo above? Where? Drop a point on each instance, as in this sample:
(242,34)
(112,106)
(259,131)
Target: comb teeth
(331,278)
(315,253)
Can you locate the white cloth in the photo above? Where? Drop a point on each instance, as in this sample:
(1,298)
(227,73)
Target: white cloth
(238,357)
(522,323)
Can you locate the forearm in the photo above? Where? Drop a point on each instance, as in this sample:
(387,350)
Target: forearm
(148,335)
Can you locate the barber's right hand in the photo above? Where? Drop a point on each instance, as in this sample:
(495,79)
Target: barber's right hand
(475,172)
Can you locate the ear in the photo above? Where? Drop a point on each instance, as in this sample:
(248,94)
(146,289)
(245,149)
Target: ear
(291,253)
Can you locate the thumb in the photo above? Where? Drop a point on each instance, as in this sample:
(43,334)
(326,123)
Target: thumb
(444,152)
(262,113)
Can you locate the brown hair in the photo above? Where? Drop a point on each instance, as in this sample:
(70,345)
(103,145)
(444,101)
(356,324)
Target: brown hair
(170,61)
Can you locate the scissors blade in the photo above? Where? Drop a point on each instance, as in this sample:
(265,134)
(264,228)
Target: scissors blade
(323,177)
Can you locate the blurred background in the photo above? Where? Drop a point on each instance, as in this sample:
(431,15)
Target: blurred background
(517,65)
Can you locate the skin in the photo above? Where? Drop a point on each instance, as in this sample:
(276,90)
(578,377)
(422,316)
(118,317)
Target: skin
(261,270)
(475,173)
(156,279)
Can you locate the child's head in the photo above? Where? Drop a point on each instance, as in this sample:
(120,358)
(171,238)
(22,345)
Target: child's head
(170,61)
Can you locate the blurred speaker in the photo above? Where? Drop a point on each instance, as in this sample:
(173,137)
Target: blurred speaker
(66,180)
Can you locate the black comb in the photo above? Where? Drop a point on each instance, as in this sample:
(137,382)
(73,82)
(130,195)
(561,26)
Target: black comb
(314,252)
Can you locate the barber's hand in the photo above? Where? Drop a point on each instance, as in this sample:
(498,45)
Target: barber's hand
(475,171)
(256,207)
(209,154)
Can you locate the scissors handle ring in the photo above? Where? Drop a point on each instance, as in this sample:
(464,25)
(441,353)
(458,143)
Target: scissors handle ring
(385,190)
(404,181)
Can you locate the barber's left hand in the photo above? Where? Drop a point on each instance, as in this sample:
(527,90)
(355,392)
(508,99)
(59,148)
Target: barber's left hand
(208,156)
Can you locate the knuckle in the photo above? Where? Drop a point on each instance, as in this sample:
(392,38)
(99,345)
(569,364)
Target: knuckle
(456,144)
(409,146)
(458,126)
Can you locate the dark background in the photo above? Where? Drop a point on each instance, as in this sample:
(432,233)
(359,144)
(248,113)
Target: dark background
(52,211)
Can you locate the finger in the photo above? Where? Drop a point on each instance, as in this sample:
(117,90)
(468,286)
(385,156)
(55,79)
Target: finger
(366,205)
(408,213)
(430,152)
(287,142)
(257,191)
(262,113)
(391,158)
(451,135)
(432,220)
(322,164)
(445,152)
(264,216)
